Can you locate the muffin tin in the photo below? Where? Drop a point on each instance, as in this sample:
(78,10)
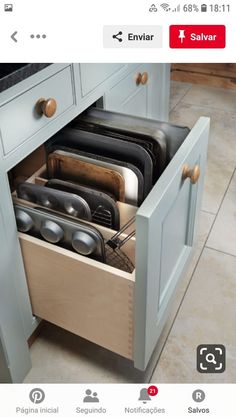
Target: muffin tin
(61,201)
(84,239)
(104,210)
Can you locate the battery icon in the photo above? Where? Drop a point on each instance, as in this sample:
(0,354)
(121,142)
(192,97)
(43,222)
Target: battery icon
(203,8)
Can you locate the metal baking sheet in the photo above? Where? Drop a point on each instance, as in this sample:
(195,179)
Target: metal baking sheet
(103,208)
(66,166)
(130,178)
(104,146)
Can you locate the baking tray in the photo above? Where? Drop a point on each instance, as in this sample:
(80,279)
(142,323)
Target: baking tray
(58,200)
(167,137)
(63,166)
(61,231)
(104,210)
(133,178)
(104,146)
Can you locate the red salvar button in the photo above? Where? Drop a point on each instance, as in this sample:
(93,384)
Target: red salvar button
(197,36)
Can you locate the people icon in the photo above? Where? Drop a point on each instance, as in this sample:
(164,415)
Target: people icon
(90,398)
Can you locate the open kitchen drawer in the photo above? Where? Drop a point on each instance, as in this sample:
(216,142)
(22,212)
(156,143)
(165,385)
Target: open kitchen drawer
(121,311)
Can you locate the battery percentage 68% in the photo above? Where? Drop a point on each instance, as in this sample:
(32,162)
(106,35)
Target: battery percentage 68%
(191,8)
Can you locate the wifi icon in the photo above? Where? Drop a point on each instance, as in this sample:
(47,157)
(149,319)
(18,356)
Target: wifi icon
(165,6)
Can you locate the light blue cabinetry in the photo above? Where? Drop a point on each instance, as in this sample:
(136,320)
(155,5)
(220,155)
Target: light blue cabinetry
(150,100)
(165,230)
(92,76)
(15,128)
(166,220)
(14,357)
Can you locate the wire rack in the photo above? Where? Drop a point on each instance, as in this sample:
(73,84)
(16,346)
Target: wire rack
(114,255)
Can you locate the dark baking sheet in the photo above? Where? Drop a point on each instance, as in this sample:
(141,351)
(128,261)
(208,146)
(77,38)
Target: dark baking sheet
(169,137)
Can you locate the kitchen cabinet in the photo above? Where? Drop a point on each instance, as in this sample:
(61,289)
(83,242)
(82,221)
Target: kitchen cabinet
(124,312)
(5,375)
(140,93)
(94,75)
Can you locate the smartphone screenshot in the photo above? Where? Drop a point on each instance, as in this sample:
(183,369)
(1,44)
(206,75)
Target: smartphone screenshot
(117,209)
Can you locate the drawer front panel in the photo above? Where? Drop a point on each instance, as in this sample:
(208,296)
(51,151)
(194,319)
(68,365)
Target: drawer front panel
(19,118)
(92,75)
(125,96)
(136,104)
(166,224)
(81,295)
(147,98)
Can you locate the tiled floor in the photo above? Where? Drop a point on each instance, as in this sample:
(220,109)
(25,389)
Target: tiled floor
(204,309)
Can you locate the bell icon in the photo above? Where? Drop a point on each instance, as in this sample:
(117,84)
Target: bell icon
(144,396)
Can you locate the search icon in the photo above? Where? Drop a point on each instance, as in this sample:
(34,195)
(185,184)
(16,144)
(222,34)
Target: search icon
(211,358)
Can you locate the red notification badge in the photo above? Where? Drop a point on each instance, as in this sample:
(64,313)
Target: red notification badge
(152,391)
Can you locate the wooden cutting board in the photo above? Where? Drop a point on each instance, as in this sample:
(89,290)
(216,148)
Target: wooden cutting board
(65,167)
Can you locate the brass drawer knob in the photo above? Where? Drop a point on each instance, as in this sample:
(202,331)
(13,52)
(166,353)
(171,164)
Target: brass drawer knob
(192,174)
(138,78)
(144,78)
(46,107)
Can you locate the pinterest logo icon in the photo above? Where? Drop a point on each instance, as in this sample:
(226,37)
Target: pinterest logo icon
(37,395)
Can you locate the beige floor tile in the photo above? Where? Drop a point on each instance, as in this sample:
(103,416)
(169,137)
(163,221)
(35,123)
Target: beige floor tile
(212,97)
(59,356)
(206,316)
(177,92)
(223,234)
(221,151)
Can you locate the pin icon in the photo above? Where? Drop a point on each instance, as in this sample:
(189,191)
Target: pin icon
(182,35)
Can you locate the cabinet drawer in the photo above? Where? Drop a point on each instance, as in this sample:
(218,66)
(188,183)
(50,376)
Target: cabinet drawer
(20,118)
(93,75)
(117,310)
(129,95)
(83,296)
(144,92)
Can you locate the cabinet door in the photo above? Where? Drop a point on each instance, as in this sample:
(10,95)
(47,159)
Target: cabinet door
(165,228)
(14,353)
(4,370)
(92,75)
(149,100)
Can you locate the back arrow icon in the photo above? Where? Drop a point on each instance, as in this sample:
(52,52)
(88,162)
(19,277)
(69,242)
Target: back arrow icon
(13,36)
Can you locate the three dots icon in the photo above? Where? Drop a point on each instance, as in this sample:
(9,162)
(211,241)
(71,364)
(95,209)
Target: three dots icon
(38,36)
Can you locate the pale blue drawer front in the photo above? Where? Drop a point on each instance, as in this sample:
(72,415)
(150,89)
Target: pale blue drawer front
(92,75)
(149,100)
(124,89)
(19,119)
(165,229)
(136,104)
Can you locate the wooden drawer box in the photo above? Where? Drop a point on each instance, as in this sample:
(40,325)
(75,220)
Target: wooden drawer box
(81,295)
(125,312)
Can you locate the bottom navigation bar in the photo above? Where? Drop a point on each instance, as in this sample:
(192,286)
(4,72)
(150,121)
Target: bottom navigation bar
(117,400)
